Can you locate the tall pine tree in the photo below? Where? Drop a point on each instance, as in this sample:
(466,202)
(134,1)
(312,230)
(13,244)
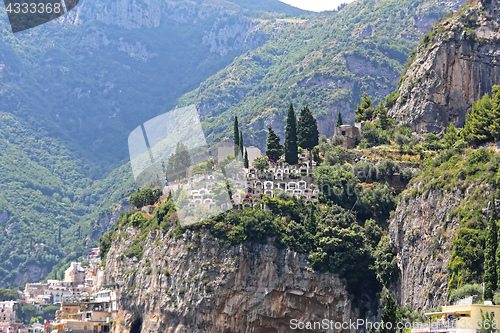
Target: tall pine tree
(384,121)
(478,121)
(364,111)
(236,137)
(291,147)
(307,130)
(451,136)
(274,148)
(490,267)
(494,127)
(339,120)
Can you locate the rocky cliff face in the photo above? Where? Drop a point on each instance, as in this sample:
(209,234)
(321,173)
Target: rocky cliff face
(423,231)
(230,30)
(195,284)
(455,65)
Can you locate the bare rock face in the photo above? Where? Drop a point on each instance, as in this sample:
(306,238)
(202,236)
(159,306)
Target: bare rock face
(230,31)
(422,231)
(454,69)
(194,284)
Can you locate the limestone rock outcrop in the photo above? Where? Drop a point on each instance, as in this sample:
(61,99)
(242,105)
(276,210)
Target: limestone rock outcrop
(423,230)
(455,65)
(195,284)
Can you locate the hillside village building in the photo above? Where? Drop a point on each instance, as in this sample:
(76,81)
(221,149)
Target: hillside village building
(7,311)
(351,134)
(11,327)
(462,317)
(75,274)
(91,316)
(252,185)
(78,281)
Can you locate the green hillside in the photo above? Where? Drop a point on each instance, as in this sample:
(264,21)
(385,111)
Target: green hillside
(326,63)
(76,91)
(70,94)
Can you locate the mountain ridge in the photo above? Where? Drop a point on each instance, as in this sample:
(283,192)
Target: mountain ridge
(70,93)
(326,63)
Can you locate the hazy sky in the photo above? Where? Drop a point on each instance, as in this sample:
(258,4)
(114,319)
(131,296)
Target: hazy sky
(316,5)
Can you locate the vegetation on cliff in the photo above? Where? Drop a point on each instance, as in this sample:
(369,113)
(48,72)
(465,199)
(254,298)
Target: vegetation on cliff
(336,242)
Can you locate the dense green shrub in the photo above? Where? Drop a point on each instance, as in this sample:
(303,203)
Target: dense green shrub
(374,136)
(408,173)
(145,197)
(465,291)
(337,155)
(387,168)
(376,203)
(365,171)
(432,142)
(337,186)
(8,294)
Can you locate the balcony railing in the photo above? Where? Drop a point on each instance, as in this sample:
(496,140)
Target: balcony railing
(435,326)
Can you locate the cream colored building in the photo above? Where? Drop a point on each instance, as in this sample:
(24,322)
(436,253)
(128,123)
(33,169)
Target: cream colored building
(461,318)
(32,290)
(7,311)
(75,274)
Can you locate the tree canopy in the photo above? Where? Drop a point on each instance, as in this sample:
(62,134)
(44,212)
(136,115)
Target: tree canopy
(178,163)
(482,124)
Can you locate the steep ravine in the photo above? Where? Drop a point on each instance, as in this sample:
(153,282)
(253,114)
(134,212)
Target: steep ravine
(210,287)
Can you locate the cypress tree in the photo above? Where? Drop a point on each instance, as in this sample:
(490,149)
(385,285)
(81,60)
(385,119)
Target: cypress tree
(274,148)
(291,148)
(236,137)
(241,143)
(245,161)
(389,315)
(307,130)
(490,267)
(339,120)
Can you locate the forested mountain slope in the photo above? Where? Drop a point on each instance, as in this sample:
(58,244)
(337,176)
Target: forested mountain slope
(326,63)
(70,93)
